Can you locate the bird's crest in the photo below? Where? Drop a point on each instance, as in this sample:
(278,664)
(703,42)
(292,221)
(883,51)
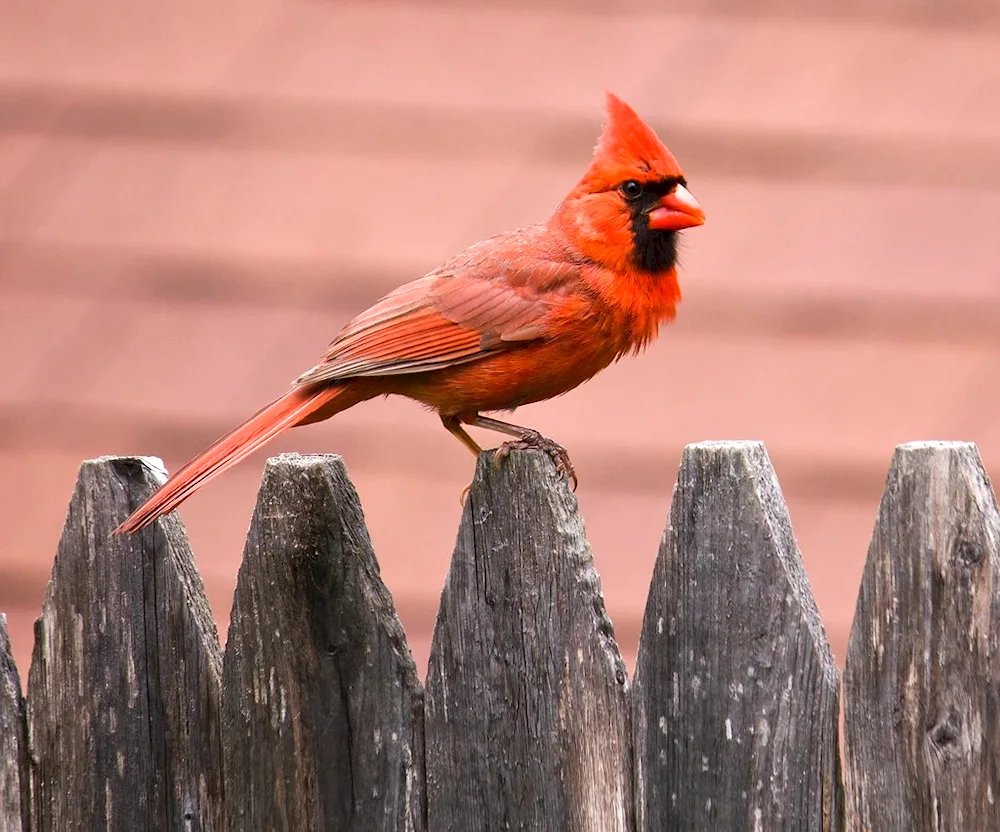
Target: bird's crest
(628,147)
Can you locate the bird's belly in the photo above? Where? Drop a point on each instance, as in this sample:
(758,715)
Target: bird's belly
(505,380)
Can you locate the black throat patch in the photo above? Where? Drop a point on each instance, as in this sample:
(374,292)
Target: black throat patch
(655,250)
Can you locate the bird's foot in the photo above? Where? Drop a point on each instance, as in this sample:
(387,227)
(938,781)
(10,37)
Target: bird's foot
(532,439)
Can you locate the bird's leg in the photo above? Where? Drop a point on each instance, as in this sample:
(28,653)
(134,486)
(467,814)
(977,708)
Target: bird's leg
(526,438)
(454,427)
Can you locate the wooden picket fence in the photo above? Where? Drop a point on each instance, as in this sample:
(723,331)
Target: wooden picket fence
(314,718)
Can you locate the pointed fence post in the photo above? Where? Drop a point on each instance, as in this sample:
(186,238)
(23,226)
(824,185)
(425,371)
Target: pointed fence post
(123,691)
(527,709)
(13,742)
(322,709)
(922,682)
(735,701)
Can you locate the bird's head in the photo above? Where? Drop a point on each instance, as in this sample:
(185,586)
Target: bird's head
(627,208)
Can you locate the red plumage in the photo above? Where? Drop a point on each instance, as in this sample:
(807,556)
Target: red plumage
(518,318)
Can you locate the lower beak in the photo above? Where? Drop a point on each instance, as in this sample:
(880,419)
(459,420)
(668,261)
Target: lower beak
(677,210)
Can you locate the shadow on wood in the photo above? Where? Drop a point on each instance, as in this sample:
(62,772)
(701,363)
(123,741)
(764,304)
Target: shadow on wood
(527,711)
(123,692)
(735,702)
(322,709)
(922,682)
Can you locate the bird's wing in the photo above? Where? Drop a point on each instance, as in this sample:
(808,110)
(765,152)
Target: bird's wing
(450,316)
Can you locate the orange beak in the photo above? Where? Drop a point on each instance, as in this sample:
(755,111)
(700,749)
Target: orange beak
(677,210)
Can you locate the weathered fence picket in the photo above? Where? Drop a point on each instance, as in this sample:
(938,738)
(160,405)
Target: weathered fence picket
(922,682)
(123,692)
(735,699)
(322,710)
(527,708)
(314,718)
(13,741)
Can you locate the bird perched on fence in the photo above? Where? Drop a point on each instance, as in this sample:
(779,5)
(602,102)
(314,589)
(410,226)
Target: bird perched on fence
(518,318)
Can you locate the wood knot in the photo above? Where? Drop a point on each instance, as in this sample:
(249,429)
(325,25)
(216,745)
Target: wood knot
(946,731)
(967,552)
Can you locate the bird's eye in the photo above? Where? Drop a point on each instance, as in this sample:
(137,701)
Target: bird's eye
(631,189)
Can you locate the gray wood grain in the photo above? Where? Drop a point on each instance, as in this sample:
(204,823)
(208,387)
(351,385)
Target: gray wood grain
(735,701)
(13,742)
(322,708)
(527,697)
(123,691)
(922,681)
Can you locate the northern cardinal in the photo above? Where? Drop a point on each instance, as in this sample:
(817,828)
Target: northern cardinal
(518,318)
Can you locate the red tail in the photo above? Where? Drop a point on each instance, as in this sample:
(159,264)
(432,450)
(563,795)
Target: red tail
(266,424)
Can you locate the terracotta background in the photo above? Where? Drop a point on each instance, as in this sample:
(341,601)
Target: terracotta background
(195,197)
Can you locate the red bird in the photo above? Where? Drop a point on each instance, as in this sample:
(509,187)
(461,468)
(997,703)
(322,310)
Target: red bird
(518,318)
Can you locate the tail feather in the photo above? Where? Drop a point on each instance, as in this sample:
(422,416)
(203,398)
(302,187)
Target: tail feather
(268,423)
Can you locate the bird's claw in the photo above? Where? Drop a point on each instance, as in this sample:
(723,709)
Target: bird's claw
(533,440)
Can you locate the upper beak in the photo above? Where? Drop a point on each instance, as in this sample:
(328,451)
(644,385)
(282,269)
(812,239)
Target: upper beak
(677,210)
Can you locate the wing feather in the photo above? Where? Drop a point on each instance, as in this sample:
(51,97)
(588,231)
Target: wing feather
(483,303)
